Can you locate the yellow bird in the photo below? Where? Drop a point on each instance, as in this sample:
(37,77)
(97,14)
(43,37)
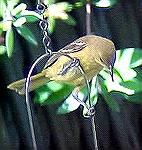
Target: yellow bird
(91,52)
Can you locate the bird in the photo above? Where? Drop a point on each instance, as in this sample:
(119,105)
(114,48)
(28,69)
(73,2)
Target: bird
(90,52)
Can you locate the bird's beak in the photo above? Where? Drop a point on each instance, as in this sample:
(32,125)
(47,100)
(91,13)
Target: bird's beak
(111,65)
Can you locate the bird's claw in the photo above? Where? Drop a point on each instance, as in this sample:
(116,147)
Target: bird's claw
(91,110)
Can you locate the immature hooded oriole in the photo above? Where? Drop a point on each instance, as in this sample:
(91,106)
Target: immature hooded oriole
(91,52)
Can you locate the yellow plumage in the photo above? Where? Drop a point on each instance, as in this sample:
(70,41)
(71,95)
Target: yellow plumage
(92,51)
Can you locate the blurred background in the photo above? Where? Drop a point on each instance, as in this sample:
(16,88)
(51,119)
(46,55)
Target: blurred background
(118,20)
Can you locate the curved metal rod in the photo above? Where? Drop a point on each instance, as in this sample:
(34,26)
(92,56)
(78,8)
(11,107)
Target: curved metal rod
(29,111)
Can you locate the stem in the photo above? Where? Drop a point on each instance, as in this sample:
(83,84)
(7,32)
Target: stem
(88,32)
(88,17)
(40,1)
(94,132)
(28,102)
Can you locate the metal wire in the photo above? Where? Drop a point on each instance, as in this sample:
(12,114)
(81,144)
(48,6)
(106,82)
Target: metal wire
(46,42)
(28,103)
(88,32)
(94,132)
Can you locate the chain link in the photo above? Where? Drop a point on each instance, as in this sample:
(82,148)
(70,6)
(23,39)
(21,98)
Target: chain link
(43,24)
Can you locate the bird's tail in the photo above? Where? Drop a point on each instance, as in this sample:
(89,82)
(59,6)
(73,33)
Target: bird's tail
(35,82)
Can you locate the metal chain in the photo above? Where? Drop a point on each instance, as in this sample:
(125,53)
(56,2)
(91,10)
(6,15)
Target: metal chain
(43,24)
(46,42)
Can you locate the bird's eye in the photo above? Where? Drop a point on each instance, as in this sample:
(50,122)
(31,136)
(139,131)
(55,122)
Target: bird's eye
(101,60)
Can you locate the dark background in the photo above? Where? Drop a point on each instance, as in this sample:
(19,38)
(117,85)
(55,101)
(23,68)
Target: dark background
(115,131)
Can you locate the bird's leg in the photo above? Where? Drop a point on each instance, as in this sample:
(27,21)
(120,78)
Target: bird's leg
(90,109)
(75,95)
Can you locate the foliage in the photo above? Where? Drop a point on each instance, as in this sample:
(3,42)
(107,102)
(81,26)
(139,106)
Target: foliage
(126,86)
(127,73)
(15,17)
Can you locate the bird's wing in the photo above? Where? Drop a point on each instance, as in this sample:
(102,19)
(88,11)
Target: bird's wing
(52,59)
(73,47)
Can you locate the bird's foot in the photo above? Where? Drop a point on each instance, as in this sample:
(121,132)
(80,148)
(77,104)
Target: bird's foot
(75,96)
(90,110)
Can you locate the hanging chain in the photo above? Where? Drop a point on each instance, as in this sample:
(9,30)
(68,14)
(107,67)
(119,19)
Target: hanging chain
(43,24)
(46,42)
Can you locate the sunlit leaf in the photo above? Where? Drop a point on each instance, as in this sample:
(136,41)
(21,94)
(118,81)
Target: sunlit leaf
(69,105)
(105,3)
(49,2)
(30,15)
(5,1)
(13,1)
(51,26)
(70,21)
(2,49)
(2,8)
(64,6)
(115,86)
(136,58)
(27,34)
(1,31)
(93,92)
(18,9)
(133,84)
(31,18)
(52,93)
(122,65)
(110,100)
(78,4)
(136,98)
(19,22)
(9,42)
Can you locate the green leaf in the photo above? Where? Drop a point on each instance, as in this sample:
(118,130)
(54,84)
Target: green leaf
(1,31)
(2,49)
(64,6)
(19,22)
(136,98)
(136,58)
(78,4)
(93,92)
(51,26)
(31,16)
(52,93)
(11,3)
(27,34)
(133,84)
(9,42)
(18,9)
(110,100)
(49,2)
(69,105)
(70,21)
(122,65)
(2,8)
(105,3)
(15,1)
